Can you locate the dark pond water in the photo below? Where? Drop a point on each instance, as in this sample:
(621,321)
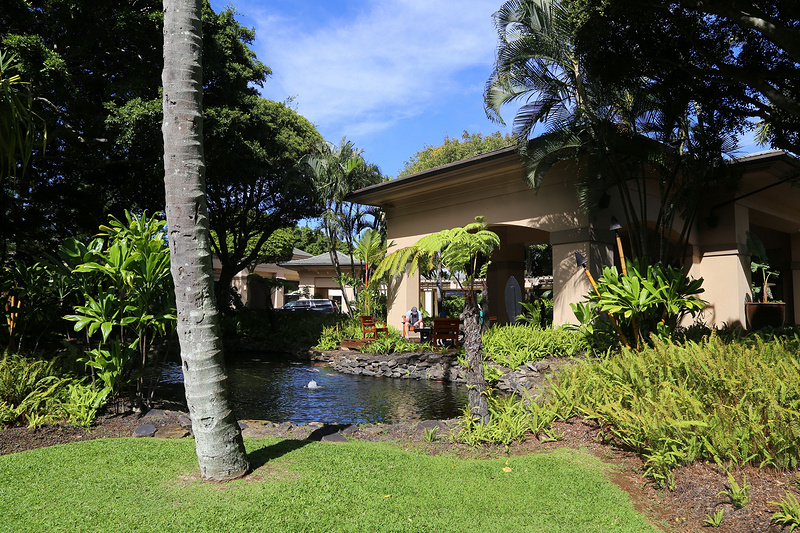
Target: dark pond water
(275,389)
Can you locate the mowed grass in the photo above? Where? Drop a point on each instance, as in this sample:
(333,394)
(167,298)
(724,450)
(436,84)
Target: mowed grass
(120,485)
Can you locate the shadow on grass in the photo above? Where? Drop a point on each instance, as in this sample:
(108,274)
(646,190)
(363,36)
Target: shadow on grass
(327,433)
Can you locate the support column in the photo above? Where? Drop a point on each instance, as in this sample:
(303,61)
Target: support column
(570,283)
(507,261)
(724,265)
(402,297)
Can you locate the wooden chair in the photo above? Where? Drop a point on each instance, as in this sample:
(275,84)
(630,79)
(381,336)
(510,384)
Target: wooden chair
(372,328)
(445,329)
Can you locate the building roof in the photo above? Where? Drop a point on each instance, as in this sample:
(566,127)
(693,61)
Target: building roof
(321,260)
(482,166)
(374,194)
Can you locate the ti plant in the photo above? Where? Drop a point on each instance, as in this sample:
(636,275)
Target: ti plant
(127,299)
(649,300)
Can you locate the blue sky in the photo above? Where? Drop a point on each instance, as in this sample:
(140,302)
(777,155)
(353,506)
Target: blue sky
(391,75)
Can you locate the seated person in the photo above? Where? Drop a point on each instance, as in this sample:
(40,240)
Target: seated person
(411,321)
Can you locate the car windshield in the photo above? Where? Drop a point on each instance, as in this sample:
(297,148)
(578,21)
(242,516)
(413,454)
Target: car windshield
(298,303)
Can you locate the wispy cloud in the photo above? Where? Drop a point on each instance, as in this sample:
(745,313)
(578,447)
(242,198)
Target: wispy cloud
(383,62)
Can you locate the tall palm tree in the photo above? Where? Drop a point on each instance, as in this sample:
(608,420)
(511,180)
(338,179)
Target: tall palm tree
(620,136)
(336,172)
(218,439)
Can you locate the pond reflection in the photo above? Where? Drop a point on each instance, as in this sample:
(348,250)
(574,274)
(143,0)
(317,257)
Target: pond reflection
(277,390)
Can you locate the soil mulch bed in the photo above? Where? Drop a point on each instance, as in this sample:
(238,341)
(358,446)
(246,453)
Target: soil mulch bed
(696,495)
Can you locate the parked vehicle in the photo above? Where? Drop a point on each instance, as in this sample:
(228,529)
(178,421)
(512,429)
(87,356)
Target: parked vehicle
(319,306)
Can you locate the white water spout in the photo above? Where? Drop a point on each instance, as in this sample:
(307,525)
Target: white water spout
(312,385)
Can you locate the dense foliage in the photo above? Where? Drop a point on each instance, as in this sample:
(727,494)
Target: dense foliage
(728,402)
(513,346)
(453,150)
(625,140)
(99,99)
(737,59)
(645,301)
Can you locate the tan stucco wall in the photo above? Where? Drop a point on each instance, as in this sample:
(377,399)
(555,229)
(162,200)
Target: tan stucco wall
(494,187)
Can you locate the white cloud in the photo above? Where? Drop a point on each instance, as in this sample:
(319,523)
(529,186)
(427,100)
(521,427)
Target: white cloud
(391,60)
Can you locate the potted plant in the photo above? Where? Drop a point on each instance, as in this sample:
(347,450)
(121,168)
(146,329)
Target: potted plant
(764,312)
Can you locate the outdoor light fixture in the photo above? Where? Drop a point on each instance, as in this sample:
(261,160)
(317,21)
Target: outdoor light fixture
(615,227)
(581,261)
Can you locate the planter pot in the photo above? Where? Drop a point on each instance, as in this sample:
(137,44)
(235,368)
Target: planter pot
(763,314)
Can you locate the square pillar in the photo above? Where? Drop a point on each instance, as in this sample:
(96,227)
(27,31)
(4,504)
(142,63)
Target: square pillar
(724,264)
(402,296)
(570,283)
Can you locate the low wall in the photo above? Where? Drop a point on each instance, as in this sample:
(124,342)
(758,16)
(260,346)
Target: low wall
(530,378)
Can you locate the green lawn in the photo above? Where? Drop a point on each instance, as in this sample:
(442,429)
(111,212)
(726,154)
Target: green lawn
(152,485)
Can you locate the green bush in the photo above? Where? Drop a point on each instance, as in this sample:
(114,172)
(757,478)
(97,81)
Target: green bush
(281,330)
(34,391)
(331,336)
(675,404)
(395,343)
(513,346)
(512,418)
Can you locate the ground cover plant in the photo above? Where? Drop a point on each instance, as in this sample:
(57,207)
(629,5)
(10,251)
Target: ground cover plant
(307,486)
(730,403)
(35,392)
(515,345)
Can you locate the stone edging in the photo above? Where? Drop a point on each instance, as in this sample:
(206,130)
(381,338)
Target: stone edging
(529,378)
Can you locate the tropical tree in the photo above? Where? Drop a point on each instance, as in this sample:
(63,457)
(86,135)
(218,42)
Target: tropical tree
(19,127)
(371,249)
(336,172)
(255,186)
(220,449)
(453,149)
(739,58)
(465,253)
(620,138)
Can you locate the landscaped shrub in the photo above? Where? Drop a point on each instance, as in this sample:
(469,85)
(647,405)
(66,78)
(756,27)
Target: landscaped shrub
(648,301)
(513,346)
(34,392)
(512,418)
(395,343)
(675,404)
(279,330)
(332,336)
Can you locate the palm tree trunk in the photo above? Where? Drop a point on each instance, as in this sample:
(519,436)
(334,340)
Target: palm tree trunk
(220,450)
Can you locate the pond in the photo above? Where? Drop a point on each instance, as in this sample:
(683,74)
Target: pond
(276,389)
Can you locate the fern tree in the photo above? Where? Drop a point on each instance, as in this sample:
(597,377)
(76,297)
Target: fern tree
(465,253)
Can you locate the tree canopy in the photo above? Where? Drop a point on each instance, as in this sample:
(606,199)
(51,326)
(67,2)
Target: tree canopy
(100,99)
(623,138)
(452,150)
(739,59)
